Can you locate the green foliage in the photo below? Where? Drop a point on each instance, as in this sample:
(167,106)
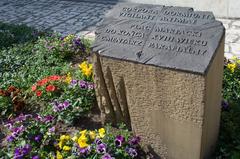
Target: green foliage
(229,137)
(73,103)
(29,136)
(104,143)
(67,47)
(231,83)
(16,34)
(66,101)
(6,108)
(24,64)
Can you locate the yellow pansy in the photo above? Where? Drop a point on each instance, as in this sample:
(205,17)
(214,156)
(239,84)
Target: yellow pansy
(88,71)
(62,140)
(60,144)
(83,132)
(66,148)
(101,132)
(59,155)
(65,137)
(83,65)
(92,135)
(74,138)
(232,66)
(82,138)
(68,38)
(82,141)
(62,137)
(86,68)
(68,79)
(82,144)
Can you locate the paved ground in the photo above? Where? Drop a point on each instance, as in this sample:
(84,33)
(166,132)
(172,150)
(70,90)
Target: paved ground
(82,16)
(62,16)
(232,41)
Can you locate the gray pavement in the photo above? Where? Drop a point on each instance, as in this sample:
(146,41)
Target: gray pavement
(81,17)
(62,16)
(232,40)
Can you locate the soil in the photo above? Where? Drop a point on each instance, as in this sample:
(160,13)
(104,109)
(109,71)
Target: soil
(91,122)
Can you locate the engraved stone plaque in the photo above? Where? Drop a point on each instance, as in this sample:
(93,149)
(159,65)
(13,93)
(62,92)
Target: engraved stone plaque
(159,70)
(172,37)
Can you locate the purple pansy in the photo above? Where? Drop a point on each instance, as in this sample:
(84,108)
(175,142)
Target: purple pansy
(57,106)
(132,152)
(16,132)
(21,152)
(9,125)
(106,156)
(77,41)
(36,157)
(10,138)
(82,84)
(66,104)
(52,129)
(38,118)
(73,82)
(21,118)
(18,153)
(38,138)
(135,140)
(26,149)
(101,148)
(62,38)
(225,104)
(90,86)
(98,141)
(48,119)
(119,140)
(85,150)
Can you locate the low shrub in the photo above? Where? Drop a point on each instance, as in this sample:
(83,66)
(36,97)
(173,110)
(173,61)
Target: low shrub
(17,34)
(229,137)
(11,102)
(231,82)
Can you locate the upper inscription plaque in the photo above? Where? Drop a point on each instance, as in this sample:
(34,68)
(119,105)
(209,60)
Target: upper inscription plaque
(172,37)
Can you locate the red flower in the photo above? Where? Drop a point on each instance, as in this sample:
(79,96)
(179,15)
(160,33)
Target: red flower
(4,93)
(50,88)
(34,87)
(42,82)
(38,93)
(11,89)
(54,77)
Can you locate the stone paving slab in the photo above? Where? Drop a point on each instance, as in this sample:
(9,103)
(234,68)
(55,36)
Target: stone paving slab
(62,16)
(232,40)
(82,16)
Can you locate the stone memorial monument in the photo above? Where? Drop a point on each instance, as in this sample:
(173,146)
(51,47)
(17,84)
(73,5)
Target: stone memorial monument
(159,69)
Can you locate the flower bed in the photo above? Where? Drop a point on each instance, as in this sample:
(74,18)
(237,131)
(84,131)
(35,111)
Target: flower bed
(229,137)
(35,136)
(46,90)
(47,99)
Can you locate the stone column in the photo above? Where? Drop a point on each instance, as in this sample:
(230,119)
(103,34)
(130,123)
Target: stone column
(159,70)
